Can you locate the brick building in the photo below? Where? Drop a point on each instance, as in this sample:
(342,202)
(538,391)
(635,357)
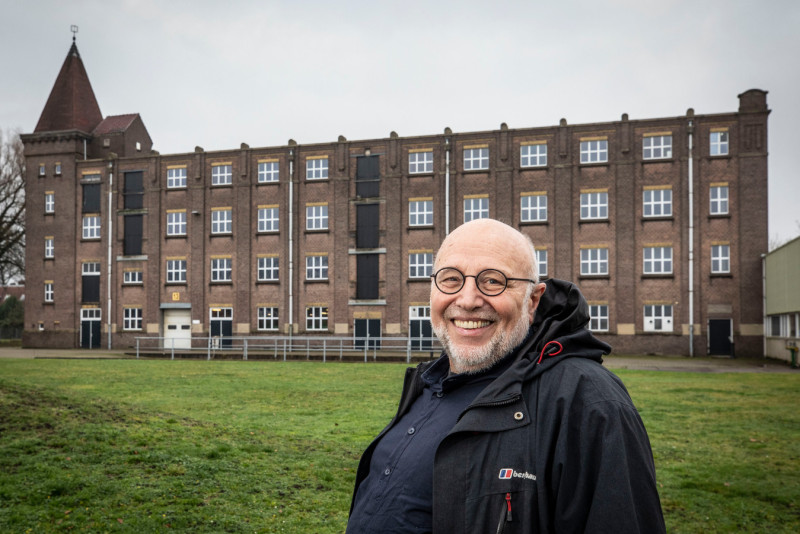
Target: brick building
(661,222)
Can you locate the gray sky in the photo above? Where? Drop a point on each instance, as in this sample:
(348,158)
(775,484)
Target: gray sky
(262,72)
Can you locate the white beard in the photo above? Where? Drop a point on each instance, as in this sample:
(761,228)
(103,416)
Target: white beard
(470,360)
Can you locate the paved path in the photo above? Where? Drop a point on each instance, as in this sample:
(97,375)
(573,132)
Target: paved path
(649,363)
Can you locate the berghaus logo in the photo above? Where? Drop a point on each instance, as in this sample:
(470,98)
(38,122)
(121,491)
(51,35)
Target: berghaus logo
(506,474)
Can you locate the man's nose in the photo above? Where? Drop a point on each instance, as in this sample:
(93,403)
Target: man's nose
(470,297)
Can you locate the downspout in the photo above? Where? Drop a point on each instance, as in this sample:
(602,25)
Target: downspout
(291,243)
(691,241)
(447,185)
(110,243)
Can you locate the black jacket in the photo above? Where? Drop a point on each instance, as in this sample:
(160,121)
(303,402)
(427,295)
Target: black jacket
(554,444)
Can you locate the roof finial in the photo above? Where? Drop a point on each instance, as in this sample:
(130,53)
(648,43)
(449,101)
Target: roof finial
(74,30)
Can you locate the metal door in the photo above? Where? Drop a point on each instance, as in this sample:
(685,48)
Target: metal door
(720,337)
(367,330)
(90,328)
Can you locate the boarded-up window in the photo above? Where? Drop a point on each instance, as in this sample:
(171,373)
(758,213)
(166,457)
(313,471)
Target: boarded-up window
(90,282)
(367,226)
(368,178)
(91,198)
(367,276)
(134,190)
(132,244)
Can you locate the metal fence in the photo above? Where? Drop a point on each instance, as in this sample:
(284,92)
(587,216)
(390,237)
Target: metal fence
(291,347)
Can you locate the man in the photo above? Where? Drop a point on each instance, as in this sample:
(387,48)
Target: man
(516,427)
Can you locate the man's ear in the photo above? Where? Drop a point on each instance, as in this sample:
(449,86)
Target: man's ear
(535,297)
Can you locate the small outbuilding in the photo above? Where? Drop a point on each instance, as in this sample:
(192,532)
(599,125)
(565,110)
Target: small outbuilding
(782,302)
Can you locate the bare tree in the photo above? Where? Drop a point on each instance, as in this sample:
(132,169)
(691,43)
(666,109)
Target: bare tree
(12,208)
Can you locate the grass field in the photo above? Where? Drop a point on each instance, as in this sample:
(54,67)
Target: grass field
(151,446)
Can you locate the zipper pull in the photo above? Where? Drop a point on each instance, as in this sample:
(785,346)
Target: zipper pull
(508,507)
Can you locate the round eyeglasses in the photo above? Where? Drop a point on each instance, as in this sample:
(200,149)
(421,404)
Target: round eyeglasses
(490,282)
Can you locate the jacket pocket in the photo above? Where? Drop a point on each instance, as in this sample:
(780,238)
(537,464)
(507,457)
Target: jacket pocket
(506,515)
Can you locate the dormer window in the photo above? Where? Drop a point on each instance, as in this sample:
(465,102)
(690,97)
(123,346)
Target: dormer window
(106,142)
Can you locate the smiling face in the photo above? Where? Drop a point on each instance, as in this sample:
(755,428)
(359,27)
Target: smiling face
(477,330)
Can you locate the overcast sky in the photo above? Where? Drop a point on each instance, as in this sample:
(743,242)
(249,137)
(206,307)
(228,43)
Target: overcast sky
(216,74)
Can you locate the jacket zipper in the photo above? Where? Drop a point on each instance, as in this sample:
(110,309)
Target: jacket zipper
(505,516)
(494,404)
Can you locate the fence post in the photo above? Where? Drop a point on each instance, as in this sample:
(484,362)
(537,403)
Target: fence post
(208,351)
(137,348)
(245,348)
(324,349)
(408,350)
(173,349)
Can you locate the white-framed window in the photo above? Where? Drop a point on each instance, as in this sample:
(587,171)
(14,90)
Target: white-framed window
(268,219)
(594,151)
(48,291)
(476,208)
(317,267)
(317,168)
(222,174)
(49,202)
(657,260)
(49,248)
(317,318)
(420,212)
(221,221)
(268,171)
(91,227)
(720,259)
(533,207)
(57,168)
(594,205)
(132,276)
(316,216)
(594,261)
(176,222)
(176,177)
(657,202)
(42,169)
(221,269)
(176,271)
(420,264)
(268,269)
(718,143)
(598,317)
(131,318)
(541,261)
(718,195)
(534,155)
(476,158)
(267,318)
(657,146)
(90,268)
(658,318)
(420,162)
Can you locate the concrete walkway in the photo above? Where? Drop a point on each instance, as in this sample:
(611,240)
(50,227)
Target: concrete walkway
(648,363)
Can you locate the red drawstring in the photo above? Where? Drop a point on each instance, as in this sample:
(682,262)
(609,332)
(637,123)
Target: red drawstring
(560,348)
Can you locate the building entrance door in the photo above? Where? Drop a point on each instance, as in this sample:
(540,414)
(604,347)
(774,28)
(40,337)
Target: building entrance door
(221,326)
(178,329)
(367,331)
(720,337)
(419,327)
(90,328)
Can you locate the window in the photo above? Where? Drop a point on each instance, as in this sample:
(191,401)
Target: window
(658,318)
(317,267)
(57,168)
(534,155)
(91,227)
(594,151)
(317,318)
(91,198)
(476,208)
(598,317)
(42,169)
(317,216)
(594,205)
(132,319)
(718,143)
(658,260)
(176,271)
(49,202)
(720,259)
(267,269)
(268,171)
(222,174)
(317,168)
(476,158)
(533,207)
(268,219)
(420,212)
(132,276)
(48,291)
(657,146)
(719,200)
(420,264)
(49,251)
(267,318)
(594,261)
(420,162)
(657,202)
(541,261)
(133,231)
(90,282)
(133,190)
(176,177)
(221,269)
(221,221)
(176,222)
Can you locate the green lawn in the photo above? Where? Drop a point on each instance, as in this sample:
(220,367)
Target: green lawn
(145,446)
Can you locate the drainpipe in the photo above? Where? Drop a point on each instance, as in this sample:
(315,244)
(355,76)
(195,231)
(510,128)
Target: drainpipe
(110,244)
(691,241)
(291,242)
(447,186)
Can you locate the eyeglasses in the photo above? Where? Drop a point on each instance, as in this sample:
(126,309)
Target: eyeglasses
(490,282)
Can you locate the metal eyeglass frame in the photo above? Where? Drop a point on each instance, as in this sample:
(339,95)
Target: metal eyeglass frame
(477,285)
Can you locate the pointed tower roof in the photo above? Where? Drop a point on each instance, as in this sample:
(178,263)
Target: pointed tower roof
(71,105)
